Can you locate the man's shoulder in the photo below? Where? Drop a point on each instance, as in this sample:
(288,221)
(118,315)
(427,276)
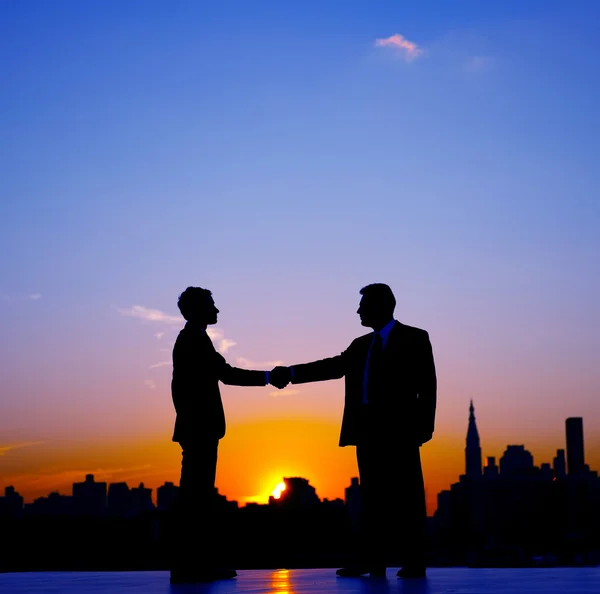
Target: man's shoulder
(189,336)
(412,331)
(362,339)
(182,337)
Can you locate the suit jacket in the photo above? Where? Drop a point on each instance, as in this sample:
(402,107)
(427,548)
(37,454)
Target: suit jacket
(197,369)
(405,407)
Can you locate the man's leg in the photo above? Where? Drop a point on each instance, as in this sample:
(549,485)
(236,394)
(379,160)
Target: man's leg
(194,512)
(373,485)
(412,516)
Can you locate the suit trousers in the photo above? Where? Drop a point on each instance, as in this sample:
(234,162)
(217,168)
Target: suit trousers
(194,513)
(393,518)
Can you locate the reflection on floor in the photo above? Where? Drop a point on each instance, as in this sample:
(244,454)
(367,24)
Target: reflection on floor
(312,581)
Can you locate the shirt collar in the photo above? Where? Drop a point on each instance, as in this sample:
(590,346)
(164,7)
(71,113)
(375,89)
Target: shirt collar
(385,331)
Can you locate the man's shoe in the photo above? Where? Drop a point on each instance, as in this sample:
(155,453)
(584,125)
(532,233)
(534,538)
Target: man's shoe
(358,570)
(412,573)
(191,576)
(224,574)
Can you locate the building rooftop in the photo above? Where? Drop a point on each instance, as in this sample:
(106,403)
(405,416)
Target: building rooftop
(454,580)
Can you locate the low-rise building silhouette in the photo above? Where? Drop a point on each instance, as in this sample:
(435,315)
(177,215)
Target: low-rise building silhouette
(141,499)
(89,497)
(119,500)
(54,504)
(12,503)
(166,495)
(298,493)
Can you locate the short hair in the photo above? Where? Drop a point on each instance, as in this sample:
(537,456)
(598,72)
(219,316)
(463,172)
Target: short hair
(382,294)
(191,300)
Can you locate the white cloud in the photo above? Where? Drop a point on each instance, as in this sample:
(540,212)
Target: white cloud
(159,335)
(221,343)
(150,315)
(150,384)
(226,344)
(248,364)
(160,364)
(406,49)
(34,296)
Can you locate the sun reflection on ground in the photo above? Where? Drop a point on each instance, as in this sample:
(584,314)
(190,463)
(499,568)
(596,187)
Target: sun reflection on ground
(280,582)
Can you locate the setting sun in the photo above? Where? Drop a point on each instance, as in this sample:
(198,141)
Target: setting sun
(278,490)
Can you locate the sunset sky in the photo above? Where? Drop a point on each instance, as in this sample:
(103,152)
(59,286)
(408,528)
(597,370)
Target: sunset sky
(284,154)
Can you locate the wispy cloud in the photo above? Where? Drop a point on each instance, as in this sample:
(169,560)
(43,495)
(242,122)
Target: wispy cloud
(248,364)
(4,296)
(222,343)
(34,296)
(17,446)
(406,49)
(160,364)
(150,315)
(150,384)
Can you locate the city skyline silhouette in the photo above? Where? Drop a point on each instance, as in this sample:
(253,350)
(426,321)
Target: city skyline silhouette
(474,467)
(509,512)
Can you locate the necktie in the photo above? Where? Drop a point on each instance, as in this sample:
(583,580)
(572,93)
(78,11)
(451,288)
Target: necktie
(374,368)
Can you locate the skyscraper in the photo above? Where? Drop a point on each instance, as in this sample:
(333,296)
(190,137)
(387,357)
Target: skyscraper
(575,453)
(473,464)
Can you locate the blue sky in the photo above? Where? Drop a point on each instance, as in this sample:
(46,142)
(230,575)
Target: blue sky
(277,154)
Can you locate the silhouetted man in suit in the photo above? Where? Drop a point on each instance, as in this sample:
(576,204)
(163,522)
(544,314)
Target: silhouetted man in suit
(199,425)
(389,413)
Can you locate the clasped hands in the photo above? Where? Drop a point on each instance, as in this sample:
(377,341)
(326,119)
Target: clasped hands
(280,377)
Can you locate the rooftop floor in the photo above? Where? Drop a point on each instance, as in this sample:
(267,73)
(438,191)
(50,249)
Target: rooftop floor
(311,581)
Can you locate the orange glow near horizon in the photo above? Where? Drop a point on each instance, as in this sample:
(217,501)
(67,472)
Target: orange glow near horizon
(253,458)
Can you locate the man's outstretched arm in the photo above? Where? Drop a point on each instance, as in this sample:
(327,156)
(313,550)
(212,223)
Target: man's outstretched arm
(234,376)
(317,371)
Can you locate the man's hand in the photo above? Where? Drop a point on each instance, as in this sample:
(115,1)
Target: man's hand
(280,377)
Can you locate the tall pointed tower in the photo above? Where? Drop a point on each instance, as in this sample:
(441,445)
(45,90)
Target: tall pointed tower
(473,449)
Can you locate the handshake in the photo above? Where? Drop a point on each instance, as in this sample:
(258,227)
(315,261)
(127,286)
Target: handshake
(280,376)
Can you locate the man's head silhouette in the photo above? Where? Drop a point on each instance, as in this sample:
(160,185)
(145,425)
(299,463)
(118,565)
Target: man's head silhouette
(377,305)
(197,305)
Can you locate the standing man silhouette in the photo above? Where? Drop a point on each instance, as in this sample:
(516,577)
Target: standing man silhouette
(389,412)
(199,425)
